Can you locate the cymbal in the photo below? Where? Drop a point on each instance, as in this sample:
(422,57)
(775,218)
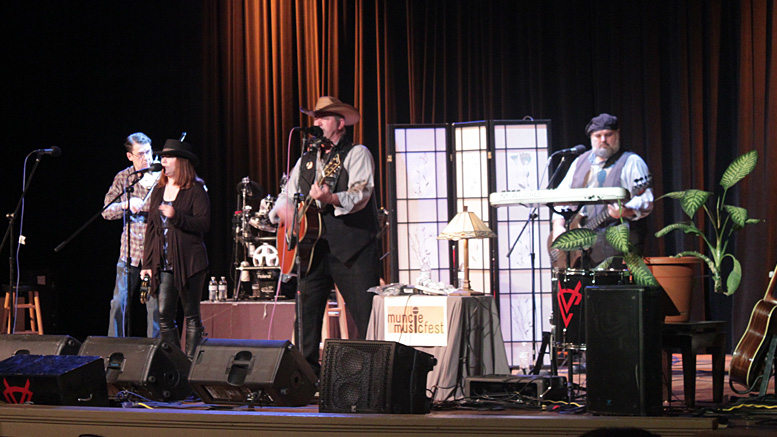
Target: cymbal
(252,189)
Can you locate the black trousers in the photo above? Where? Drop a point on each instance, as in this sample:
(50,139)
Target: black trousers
(352,279)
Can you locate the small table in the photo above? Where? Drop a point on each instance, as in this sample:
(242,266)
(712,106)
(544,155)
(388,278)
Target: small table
(474,342)
(692,338)
(248,319)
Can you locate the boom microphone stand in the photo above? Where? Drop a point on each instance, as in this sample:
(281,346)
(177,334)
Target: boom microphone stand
(531,219)
(12,280)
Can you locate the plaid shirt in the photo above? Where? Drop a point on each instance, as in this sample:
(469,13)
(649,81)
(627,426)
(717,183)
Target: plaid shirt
(137,221)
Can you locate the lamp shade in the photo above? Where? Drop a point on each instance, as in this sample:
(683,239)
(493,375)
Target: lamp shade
(465,225)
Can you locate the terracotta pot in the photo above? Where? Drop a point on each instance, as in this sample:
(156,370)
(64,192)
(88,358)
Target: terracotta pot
(676,276)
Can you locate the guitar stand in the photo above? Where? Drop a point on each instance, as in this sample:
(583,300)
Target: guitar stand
(769,365)
(546,340)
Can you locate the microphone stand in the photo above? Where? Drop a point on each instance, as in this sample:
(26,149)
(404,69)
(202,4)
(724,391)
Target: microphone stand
(13,286)
(532,264)
(93,218)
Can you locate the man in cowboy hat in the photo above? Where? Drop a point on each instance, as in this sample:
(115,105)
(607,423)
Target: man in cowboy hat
(607,164)
(133,207)
(347,255)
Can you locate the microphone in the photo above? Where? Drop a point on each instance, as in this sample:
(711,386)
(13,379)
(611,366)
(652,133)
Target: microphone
(313,131)
(53,151)
(578,149)
(152,168)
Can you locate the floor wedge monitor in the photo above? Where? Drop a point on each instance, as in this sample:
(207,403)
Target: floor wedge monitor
(252,372)
(149,367)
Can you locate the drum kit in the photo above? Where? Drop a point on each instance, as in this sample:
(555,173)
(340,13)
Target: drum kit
(256,257)
(568,319)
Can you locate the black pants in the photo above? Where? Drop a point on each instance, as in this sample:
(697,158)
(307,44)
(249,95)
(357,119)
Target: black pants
(190,301)
(352,279)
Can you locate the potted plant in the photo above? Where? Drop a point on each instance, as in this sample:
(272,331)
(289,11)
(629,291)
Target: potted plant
(725,220)
(618,237)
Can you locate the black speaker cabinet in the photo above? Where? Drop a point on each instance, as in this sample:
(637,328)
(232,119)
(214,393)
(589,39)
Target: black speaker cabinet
(374,377)
(242,372)
(623,325)
(54,380)
(149,367)
(34,344)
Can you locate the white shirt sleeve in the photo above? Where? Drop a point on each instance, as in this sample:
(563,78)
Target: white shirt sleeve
(360,168)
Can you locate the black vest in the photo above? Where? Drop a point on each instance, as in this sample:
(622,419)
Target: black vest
(349,233)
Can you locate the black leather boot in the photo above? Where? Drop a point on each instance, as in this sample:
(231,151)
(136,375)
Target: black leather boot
(193,339)
(170,336)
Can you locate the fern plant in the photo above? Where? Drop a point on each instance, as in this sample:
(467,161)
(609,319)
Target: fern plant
(618,237)
(725,220)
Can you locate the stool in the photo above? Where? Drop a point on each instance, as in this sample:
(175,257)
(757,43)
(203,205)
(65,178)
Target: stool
(336,310)
(691,339)
(32,305)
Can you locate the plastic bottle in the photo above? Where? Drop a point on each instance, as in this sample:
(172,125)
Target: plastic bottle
(213,291)
(222,287)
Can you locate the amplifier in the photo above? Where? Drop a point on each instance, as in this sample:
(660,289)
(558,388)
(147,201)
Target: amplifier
(542,388)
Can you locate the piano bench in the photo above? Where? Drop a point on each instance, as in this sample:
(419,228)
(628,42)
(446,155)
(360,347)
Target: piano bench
(691,339)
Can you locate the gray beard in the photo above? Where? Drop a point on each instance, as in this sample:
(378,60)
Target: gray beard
(603,153)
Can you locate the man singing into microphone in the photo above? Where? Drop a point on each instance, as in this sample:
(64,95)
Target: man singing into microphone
(135,212)
(347,255)
(609,165)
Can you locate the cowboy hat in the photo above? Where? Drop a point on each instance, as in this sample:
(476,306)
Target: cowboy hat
(327,105)
(178,149)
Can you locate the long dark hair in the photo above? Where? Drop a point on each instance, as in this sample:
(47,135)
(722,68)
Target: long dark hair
(185,174)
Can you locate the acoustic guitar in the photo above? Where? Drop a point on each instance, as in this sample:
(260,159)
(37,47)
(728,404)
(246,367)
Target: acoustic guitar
(748,360)
(558,258)
(305,230)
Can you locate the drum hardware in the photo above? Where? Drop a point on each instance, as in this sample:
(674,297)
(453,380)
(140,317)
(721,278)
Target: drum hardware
(265,255)
(261,219)
(568,335)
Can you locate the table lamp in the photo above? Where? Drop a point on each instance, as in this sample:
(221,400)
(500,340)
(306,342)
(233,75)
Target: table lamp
(464,226)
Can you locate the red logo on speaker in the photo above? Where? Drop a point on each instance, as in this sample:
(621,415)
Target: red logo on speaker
(17,395)
(567,299)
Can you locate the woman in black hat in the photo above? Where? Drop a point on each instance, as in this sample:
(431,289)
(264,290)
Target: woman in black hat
(174,255)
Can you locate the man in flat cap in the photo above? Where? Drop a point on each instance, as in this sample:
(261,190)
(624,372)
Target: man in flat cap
(607,164)
(347,254)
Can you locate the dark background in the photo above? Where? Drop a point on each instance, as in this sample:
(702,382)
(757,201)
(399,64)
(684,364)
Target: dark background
(82,76)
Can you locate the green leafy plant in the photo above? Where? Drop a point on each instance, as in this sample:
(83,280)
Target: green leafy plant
(618,237)
(725,220)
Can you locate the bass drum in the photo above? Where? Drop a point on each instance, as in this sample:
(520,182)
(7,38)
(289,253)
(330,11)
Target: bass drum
(568,309)
(261,219)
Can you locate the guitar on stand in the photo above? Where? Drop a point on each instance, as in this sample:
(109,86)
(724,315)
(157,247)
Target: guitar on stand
(754,355)
(306,228)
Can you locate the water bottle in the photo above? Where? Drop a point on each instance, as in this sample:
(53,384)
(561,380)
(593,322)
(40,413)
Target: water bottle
(222,288)
(213,290)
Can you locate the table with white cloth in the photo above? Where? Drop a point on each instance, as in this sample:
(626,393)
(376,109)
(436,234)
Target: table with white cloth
(468,342)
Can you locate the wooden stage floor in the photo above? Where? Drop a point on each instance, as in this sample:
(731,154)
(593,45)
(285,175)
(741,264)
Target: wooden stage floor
(195,420)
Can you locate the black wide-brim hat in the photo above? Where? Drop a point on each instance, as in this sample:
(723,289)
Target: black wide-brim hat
(178,149)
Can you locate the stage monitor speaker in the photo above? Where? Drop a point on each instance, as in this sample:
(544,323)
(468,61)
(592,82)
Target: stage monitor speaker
(149,367)
(54,380)
(623,369)
(252,372)
(34,344)
(374,377)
